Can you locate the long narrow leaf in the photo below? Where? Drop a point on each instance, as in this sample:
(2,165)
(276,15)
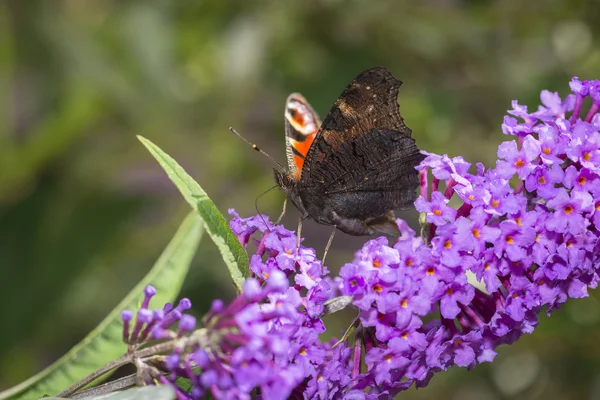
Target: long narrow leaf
(104,343)
(142,393)
(231,250)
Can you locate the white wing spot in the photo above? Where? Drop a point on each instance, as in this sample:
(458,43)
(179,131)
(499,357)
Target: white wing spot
(370,108)
(374,96)
(368,88)
(343,106)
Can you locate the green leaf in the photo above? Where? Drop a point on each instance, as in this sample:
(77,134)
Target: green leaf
(142,393)
(104,343)
(233,253)
(336,304)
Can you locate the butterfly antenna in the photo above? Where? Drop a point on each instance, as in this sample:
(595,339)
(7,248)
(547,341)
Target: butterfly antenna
(256,204)
(255,147)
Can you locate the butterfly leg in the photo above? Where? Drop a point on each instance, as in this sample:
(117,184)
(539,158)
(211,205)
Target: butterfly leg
(299,235)
(282,212)
(329,244)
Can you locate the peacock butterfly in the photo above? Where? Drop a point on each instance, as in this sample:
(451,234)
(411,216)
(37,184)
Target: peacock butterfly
(356,167)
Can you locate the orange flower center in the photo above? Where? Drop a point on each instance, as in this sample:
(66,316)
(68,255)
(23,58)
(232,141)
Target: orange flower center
(430,271)
(495,203)
(476,233)
(581,180)
(447,244)
(587,156)
(509,240)
(376,263)
(519,163)
(546,150)
(404,303)
(437,212)
(377,288)
(568,210)
(542,180)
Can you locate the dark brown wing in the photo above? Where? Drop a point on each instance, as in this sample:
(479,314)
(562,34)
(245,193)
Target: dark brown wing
(382,161)
(369,102)
(371,174)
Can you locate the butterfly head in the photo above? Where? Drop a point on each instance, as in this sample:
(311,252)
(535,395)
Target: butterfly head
(289,184)
(284,180)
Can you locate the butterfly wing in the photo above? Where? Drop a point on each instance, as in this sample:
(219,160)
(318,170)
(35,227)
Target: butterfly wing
(369,103)
(301,126)
(377,169)
(372,174)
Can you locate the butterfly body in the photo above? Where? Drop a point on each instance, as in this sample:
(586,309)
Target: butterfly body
(354,169)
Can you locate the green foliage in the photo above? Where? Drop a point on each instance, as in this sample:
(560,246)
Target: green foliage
(104,343)
(232,251)
(142,393)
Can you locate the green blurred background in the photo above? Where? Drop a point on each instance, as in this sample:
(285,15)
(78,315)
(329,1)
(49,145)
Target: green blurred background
(85,210)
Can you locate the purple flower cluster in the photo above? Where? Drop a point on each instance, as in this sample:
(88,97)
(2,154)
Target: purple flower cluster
(156,324)
(325,370)
(531,246)
(491,257)
(239,348)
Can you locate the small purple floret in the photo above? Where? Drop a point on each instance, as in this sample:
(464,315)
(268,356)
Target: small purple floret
(126,315)
(149,291)
(217,305)
(187,324)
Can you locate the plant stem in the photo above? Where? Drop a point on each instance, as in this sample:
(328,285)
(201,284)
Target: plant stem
(126,359)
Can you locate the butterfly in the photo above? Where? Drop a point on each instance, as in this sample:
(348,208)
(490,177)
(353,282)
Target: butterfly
(356,167)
